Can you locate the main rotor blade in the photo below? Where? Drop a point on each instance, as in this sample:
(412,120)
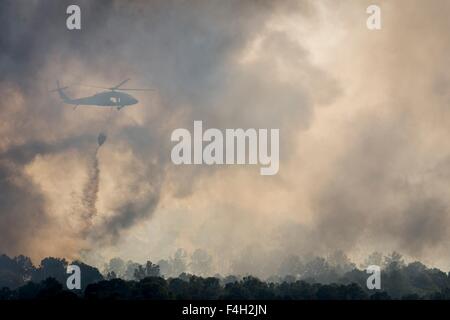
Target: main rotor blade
(134,89)
(54,90)
(90,86)
(120,84)
(117,87)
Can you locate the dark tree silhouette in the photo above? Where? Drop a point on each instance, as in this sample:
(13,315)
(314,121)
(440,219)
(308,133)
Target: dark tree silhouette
(51,268)
(15,272)
(109,290)
(151,288)
(88,274)
(312,278)
(149,270)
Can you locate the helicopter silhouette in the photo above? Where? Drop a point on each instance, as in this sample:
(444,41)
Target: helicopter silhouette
(114,97)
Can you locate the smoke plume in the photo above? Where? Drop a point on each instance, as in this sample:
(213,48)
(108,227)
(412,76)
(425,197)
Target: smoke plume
(363,118)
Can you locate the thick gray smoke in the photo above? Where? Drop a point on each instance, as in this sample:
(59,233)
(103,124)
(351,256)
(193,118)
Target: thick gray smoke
(19,197)
(23,205)
(363,119)
(193,81)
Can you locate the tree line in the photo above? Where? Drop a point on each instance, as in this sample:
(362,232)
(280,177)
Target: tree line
(335,277)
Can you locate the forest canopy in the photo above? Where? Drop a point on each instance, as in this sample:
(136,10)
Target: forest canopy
(331,278)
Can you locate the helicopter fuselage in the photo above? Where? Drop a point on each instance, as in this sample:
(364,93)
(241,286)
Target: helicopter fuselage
(107,99)
(115,97)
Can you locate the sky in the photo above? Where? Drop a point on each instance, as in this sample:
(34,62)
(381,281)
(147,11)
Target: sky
(363,115)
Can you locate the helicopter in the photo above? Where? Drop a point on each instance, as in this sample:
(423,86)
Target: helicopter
(114,97)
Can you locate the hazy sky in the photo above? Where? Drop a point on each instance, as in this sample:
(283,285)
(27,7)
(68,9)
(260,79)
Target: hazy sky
(363,115)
